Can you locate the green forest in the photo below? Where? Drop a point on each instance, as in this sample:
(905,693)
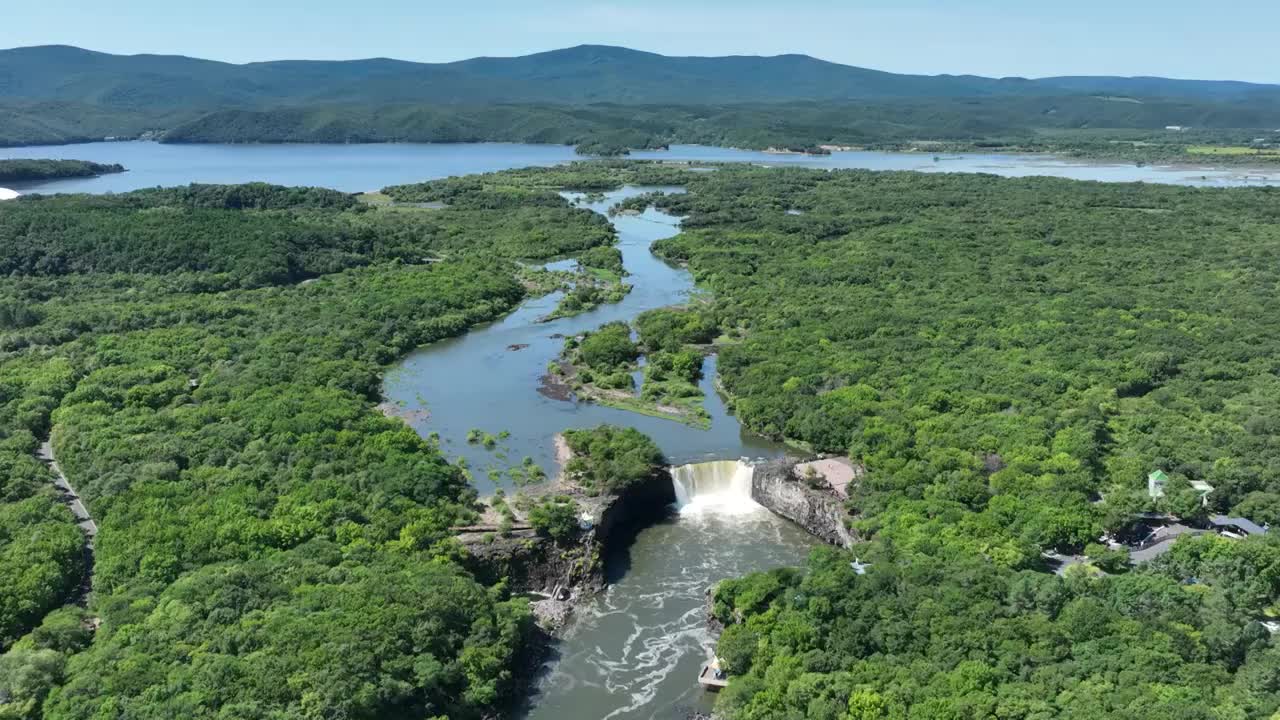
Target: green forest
(1077,126)
(922,637)
(260,519)
(598,365)
(19,170)
(1008,358)
(607,101)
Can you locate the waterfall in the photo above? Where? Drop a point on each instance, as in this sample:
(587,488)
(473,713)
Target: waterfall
(722,487)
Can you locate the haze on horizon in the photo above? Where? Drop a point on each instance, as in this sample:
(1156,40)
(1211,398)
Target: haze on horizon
(1174,38)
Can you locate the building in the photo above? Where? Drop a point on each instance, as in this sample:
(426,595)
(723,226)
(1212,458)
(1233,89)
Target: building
(1237,528)
(1158,482)
(1204,489)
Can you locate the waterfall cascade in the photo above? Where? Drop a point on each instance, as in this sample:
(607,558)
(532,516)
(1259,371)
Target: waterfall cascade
(722,487)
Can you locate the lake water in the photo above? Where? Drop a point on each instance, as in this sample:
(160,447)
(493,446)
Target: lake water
(350,168)
(359,168)
(995,164)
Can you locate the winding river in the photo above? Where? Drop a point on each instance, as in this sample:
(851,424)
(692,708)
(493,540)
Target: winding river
(489,379)
(634,651)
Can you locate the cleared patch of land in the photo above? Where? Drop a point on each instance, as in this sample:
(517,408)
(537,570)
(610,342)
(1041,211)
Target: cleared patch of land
(1231,150)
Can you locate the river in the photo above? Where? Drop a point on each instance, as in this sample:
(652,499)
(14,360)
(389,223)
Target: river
(635,651)
(489,379)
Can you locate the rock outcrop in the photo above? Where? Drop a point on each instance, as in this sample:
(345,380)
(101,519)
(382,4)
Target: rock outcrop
(564,572)
(775,486)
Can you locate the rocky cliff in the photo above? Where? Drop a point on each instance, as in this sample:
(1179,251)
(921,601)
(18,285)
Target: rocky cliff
(822,514)
(566,571)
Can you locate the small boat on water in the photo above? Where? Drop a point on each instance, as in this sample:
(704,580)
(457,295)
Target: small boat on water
(7,194)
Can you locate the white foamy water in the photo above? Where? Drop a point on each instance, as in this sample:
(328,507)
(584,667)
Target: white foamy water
(7,194)
(722,487)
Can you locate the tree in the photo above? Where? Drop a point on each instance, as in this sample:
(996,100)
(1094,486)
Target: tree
(555,517)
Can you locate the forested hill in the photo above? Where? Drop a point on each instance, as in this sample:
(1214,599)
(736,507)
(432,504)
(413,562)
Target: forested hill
(1028,121)
(585,74)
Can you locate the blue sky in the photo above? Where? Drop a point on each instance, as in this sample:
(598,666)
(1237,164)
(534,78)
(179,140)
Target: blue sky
(1235,39)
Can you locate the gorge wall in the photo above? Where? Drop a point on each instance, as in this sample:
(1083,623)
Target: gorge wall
(531,563)
(822,514)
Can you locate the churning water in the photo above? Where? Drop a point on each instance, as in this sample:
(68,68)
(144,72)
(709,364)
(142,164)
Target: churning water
(635,651)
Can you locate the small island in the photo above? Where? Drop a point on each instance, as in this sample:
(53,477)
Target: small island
(602,365)
(26,171)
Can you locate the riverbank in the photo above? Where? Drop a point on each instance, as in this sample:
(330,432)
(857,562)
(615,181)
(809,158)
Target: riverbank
(507,365)
(1166,148)
(599,588)
(815,504)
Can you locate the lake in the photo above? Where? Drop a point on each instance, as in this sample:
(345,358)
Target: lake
(360,168)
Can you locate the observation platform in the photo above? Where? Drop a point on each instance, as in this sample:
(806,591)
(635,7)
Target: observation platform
(712,678)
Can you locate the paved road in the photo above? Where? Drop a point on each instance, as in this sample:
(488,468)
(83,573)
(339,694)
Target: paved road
(69,495)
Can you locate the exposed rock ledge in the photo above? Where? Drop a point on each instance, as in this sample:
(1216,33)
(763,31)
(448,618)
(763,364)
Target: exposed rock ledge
(563,573)
(776,486)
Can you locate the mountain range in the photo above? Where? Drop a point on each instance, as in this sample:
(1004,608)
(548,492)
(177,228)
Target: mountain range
(603,99)
(579,75)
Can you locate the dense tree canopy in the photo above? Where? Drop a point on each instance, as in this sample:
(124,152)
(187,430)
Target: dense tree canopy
(923,638)
(1008,358)
(358,632)
(22,170)
(998,352)
(218,419)
(1132,131)
(290,234)
(609,459)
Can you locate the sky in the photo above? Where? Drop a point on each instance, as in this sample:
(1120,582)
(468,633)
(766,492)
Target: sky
(1235,39)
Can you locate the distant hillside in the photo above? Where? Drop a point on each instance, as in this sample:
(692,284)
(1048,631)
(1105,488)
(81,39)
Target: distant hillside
(753,126)
(57,122)
(585,74)
(604,98)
